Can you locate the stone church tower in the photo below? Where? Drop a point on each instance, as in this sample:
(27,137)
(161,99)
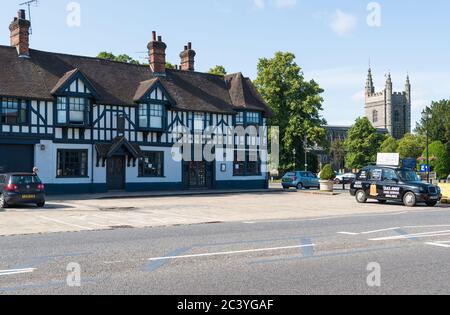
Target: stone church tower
(388,109)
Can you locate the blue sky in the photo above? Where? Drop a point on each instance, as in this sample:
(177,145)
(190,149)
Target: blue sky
(332,40)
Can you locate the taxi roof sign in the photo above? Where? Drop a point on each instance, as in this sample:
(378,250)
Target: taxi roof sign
(388,159)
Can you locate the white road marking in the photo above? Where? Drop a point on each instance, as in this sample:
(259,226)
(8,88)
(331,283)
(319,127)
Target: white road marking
(348,233)
(16,271)
(65,223)
(417,235)
(439,244)
(393,229)
(231,252)
(379,231)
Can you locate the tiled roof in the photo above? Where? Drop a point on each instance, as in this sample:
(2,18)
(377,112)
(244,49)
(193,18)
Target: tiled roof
(115,83)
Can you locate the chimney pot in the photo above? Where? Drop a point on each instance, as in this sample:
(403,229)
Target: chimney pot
(20,34)
(188,58)
(189,45)
(157,55)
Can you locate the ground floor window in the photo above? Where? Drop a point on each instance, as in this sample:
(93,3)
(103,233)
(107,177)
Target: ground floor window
(72,163)
(151,164)
(247,164)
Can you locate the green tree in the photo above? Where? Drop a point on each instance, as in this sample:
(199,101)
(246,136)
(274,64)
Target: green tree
(390,145)
(170,65)
(411,146)
(120,58)
(337,153)
(218,70)
(362,144)
(439,160)
(296,104)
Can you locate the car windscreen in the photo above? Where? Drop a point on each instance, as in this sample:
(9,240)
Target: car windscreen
(25,180)
(409,176)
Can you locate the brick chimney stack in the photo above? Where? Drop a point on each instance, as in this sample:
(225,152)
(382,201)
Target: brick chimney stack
(20,34)
(157,54)
(188,58)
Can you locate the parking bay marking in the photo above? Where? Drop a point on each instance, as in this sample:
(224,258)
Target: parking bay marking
(231,252)
(16,271)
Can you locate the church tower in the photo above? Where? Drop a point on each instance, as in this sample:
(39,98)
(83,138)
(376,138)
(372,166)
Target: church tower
(389,110)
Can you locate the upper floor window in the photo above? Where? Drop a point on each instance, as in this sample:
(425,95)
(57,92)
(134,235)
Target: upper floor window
(375,116)
(72,110)
(199,121)
(151,116)
(14,111)
(240,118)
(253,118)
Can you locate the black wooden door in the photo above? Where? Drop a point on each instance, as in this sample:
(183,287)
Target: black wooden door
(197,175)
(116,173)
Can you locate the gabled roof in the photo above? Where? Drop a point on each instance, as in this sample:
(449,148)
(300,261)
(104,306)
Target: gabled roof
(117,83)
(68,77)
(244,94)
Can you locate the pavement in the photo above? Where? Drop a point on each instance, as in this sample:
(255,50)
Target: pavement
(74,215)
(390,252)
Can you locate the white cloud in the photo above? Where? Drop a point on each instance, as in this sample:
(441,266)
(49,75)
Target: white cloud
(282,4)
(342,23)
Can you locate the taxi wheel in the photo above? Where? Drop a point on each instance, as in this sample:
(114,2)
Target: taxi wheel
(3,203)
(409,199)
(361,196)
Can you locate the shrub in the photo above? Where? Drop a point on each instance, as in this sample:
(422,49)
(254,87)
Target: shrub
(327,173)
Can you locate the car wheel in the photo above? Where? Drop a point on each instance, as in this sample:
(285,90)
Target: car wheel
(3,203)
(40,204)
(409,199)
(300,186)
(431,203)
(361,196)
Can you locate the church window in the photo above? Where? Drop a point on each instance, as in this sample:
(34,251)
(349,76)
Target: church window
(375,116)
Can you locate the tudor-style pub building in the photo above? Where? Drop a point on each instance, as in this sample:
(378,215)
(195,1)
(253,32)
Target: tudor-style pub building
(91,125)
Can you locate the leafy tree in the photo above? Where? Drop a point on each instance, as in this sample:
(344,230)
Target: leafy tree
(169,65)
(296,104)
(337,153)
(120,58)
(411,146)
(390,145)
(439,160)
(218,70)
(362,144)
(438,124)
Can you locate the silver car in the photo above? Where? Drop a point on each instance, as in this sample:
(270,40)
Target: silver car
(448,179)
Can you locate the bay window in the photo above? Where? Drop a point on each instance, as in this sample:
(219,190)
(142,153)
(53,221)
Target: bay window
(240,118)
(253,118)
(13,111)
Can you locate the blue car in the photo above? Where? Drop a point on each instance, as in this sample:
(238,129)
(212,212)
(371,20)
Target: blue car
(300,180)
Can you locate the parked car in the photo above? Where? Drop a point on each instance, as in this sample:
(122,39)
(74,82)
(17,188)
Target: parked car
(448,179)
(300,180)
(347,178)
(384,183)
(21,188)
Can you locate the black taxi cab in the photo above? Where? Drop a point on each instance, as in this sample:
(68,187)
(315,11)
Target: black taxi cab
(386,183)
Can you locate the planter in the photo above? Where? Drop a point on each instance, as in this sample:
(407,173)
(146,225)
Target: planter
(326,185)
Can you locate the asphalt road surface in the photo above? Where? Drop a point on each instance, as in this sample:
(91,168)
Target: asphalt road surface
(399,253)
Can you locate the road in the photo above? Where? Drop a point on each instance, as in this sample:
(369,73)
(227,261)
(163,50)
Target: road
(304,256)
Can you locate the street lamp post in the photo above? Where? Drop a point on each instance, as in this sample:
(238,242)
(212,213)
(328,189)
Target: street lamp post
(426,117)
(306,153)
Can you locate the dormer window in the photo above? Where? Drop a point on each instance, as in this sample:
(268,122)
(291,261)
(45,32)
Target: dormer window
(151,116)
(253,118)
(240,118)
(72,111)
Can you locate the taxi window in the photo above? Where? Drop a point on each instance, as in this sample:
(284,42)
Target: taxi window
(389,175)
(376,174)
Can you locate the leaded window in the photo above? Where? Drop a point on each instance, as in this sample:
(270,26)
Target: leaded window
(72,163)
(151,164)
(13,111)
